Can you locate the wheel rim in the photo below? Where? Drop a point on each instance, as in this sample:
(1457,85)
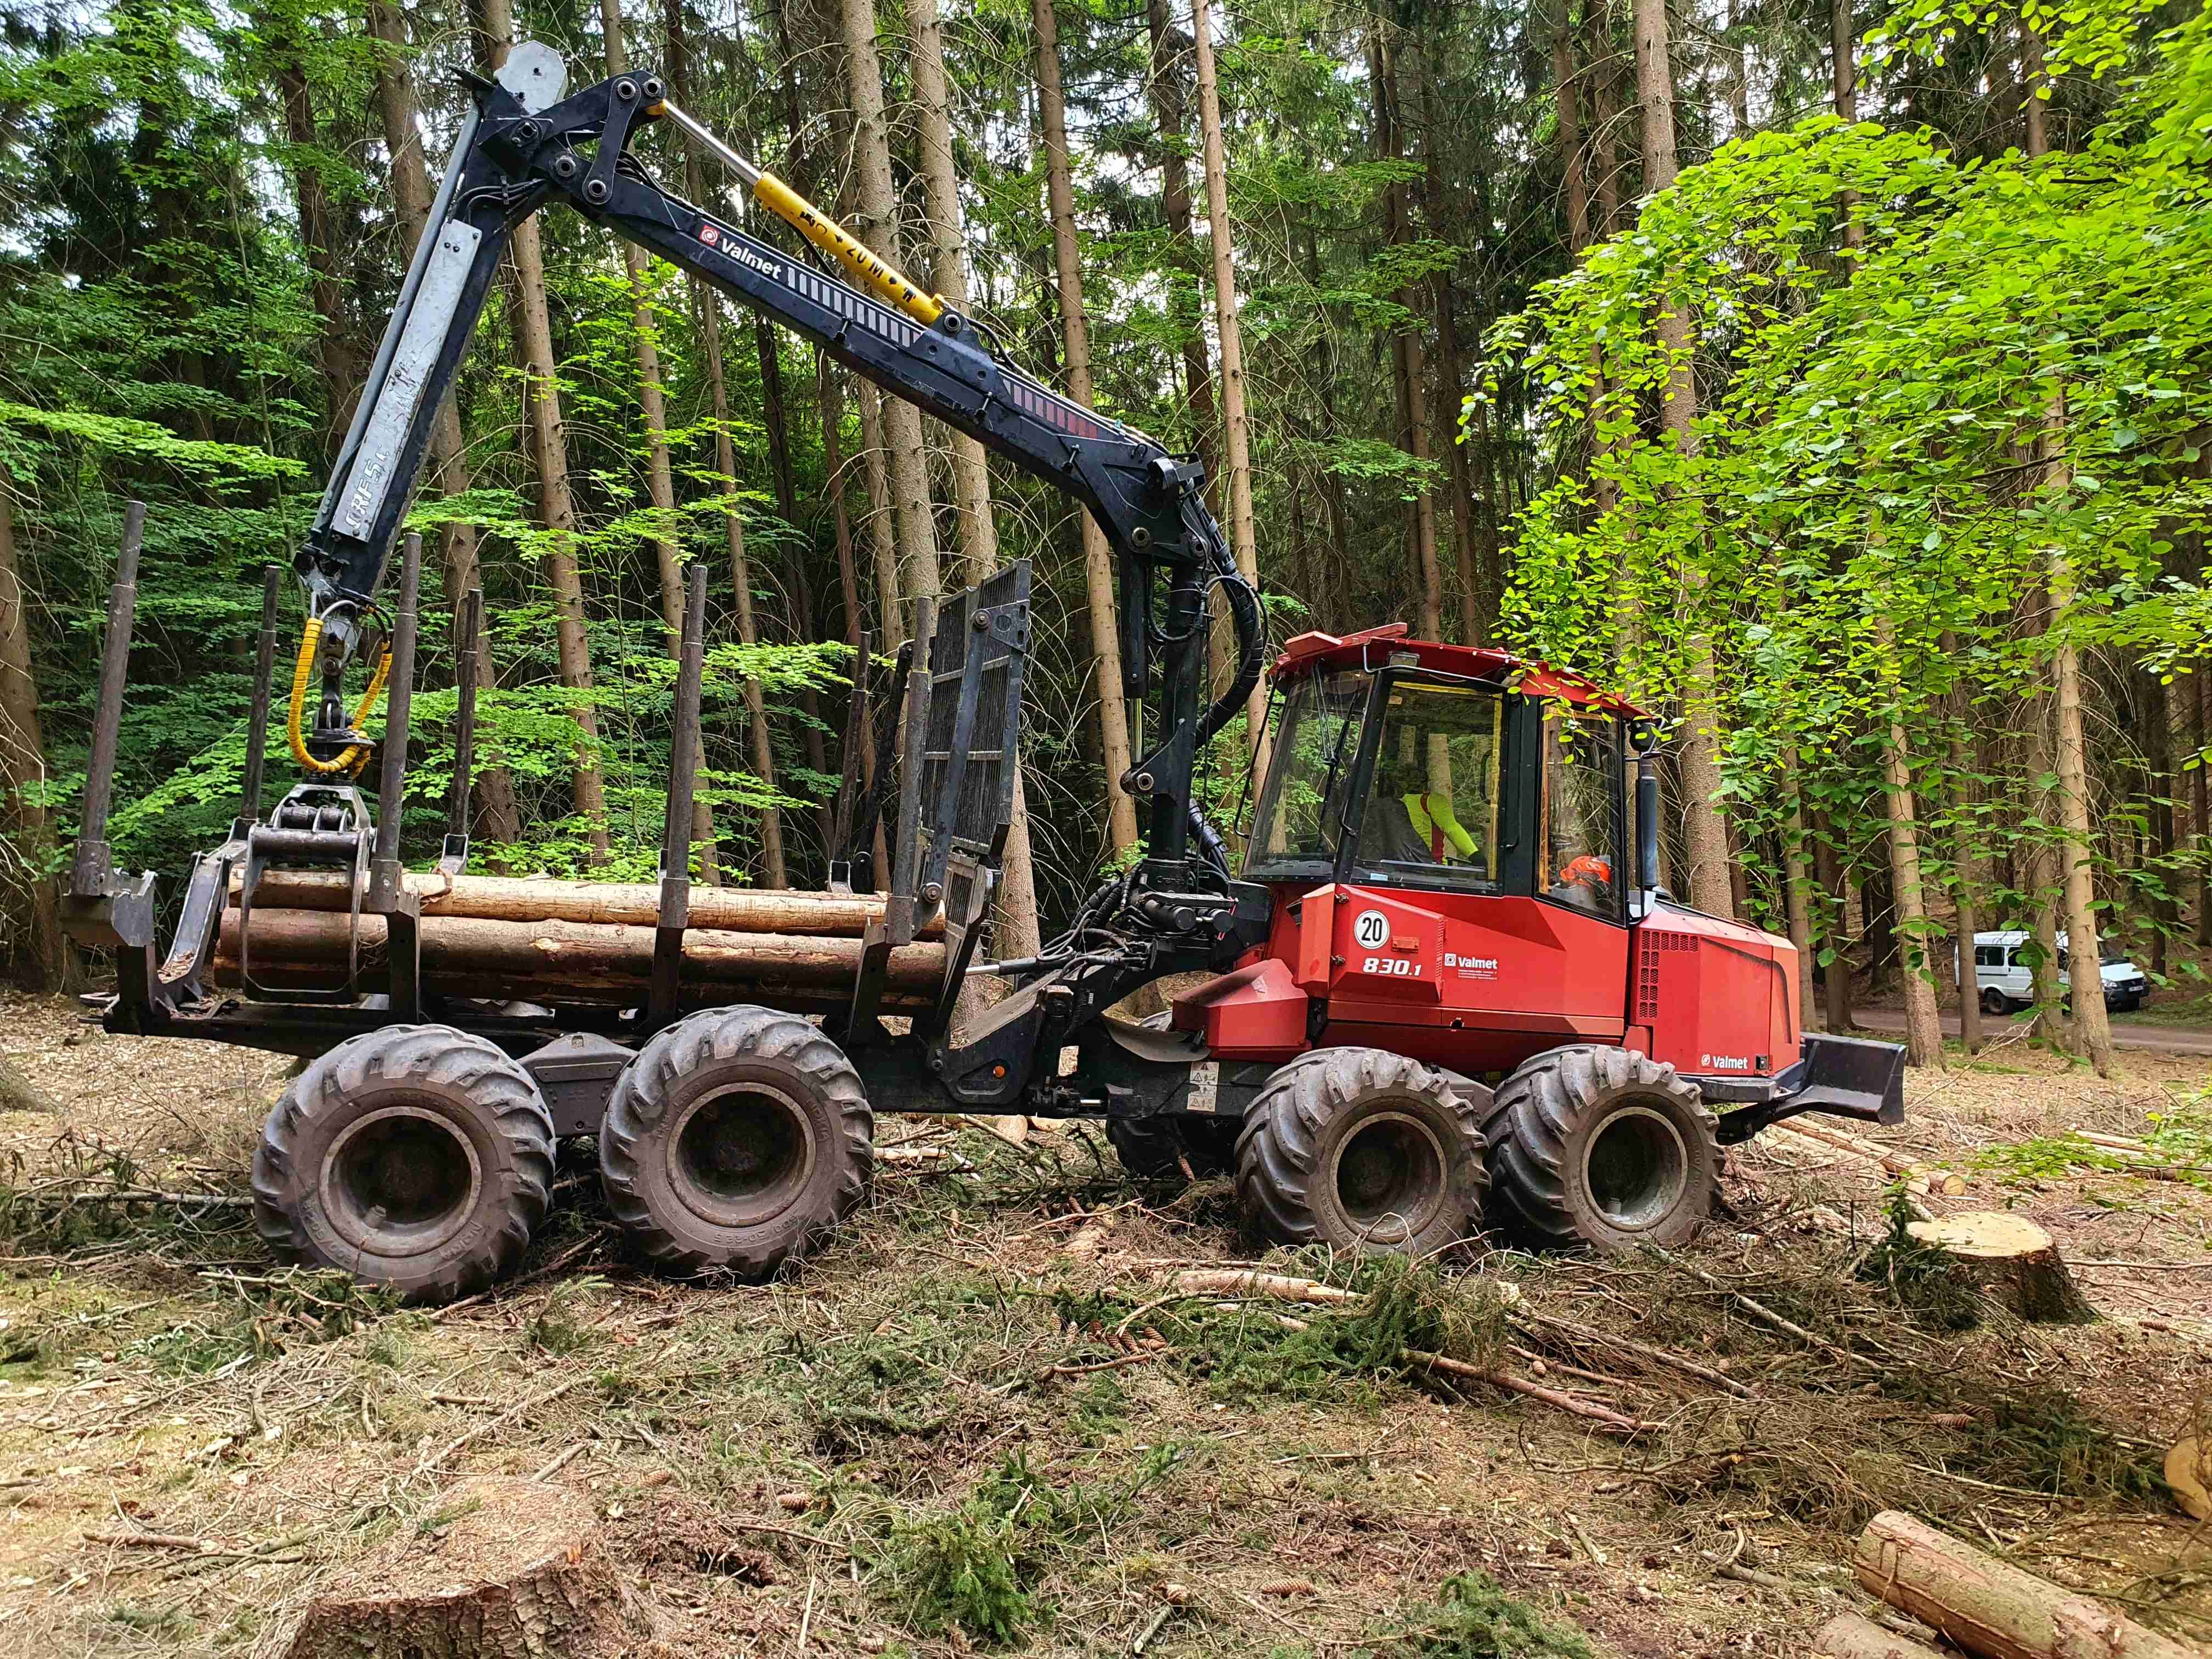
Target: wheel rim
(401,1180)
(1389,1176)
(741,1155)
(1635,1168)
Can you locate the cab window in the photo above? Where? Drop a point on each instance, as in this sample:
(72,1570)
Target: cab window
(1431,818)
(1301,804)
(1578,833)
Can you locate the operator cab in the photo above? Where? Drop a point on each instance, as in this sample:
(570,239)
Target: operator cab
(1445,770)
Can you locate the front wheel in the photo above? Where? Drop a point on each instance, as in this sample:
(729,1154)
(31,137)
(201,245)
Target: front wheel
(1361,1149)
(1601,1146)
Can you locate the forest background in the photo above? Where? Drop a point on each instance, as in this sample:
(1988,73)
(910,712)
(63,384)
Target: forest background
(1832,378)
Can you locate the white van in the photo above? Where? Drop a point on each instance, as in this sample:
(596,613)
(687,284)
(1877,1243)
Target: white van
(2006,981)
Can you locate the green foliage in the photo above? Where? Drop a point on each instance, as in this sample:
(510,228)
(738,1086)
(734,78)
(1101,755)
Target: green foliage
(958,1569)
(1474,1619)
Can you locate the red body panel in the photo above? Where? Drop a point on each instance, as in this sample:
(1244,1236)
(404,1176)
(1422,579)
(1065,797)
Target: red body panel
(1717,996)
(1479,982)
(1257,1013)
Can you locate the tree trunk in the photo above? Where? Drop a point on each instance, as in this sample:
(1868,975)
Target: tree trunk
(1847,1636)
(1097,556)
(326,285)
(1235,421)
(1406,352)
(1475,533)
(660,477)
(1571,129)
(1965,882)
(1703,832)
(497,817)
(876,223)
(556,506)
(2200,830)
(774,871)
(1796,885)
(2158,764)
(1923,1025)
(1842,43)
(23,768)
(1835,915)
(1605,108)
(1165,86)
(1989,1607)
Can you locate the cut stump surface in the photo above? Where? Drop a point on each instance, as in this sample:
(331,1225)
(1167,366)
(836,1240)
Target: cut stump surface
(2013,1261)
(501,1568)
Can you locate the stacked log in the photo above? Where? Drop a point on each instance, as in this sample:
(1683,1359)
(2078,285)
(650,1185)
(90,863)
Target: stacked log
(493,938)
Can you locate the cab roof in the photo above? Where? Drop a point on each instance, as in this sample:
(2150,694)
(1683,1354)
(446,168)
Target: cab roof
(1387,647)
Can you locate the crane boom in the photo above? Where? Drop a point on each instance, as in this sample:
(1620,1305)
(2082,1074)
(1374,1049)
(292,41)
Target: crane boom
(527,143)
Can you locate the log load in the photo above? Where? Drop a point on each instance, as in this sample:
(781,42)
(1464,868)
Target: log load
(1990,1607)
(630,903)
(2013,1261)
(515,1571)
(562,962)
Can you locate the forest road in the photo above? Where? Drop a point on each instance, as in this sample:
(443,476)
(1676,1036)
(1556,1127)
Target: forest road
(2169,1039)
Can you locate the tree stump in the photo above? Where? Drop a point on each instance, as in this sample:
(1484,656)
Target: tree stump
(2189,1472)
(501,1568)
(2013,1261)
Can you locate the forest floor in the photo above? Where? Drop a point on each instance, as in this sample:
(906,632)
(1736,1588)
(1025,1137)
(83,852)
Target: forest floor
(931,1439)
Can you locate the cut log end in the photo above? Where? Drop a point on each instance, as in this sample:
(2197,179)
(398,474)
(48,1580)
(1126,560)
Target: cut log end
(2189,1472)
(1848,1636)
(2013,1261)
(500,1567)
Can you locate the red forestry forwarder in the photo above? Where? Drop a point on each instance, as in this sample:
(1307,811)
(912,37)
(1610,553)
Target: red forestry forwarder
(1437,889)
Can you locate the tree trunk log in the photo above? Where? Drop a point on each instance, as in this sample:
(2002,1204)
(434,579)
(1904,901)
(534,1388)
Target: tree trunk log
(637,904)
(2189,1472)
(1848,1636)
(1990,1608)
(2013,1260)
(569,961)
(520,1572)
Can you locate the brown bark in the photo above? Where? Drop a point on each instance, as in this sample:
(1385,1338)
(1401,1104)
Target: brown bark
(1843,41)
(1408,368)
(1097,556)
(1474,531)
(1165,87)
(2010,1259)
(1605,109)
(775,872)
(1923,1026)
(636,904)
(23,771)
(556,506)
(876,223)
(1989,1607)
(519,1570)
(1565,92)
(326,284)
(497,817)
(2158,766)
(1796,886)
(1703,832)
(1235,422)
(2200,830)
(555,961)
(1835,918)
(660,477)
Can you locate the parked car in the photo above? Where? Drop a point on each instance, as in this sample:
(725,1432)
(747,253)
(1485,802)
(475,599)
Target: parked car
(2006,981)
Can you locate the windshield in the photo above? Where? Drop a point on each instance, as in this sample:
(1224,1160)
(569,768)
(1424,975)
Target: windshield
(1431,814)
(1302,805)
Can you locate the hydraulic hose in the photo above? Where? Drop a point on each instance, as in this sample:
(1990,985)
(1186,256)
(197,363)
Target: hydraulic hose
(355,755)
(1246,616)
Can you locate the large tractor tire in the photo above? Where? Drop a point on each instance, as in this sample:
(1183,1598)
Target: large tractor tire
(736,1140)
(1155,1148)
(1600,1146)
(1360,1148)
(418,1156)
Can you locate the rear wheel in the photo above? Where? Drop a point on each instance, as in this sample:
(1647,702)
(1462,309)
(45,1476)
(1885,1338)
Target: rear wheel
(736,1139)
(418,1156)
(1994,1001)
(1361,1148)
(1601,1146)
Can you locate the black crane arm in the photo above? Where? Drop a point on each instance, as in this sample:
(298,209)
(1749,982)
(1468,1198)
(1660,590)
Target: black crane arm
(526,144)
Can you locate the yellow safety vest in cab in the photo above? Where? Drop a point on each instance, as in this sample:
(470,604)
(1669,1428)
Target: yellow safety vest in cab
(1435,823)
